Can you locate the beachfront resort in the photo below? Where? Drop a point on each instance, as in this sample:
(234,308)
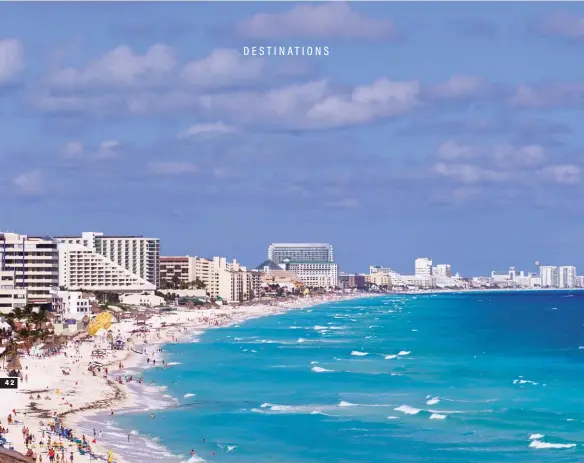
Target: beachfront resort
(79,311)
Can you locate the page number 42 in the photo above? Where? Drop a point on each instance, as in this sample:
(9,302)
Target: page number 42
(8,383)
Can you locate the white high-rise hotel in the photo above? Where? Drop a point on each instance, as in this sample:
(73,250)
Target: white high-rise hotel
(567,276)
(96,262)
(423,267)
(558,277)
(301,252)
(313,263)
(28,263)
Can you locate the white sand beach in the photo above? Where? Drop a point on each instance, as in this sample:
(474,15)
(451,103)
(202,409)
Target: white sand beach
(61,386)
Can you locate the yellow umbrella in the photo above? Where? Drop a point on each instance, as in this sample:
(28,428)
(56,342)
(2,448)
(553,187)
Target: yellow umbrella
(102,320)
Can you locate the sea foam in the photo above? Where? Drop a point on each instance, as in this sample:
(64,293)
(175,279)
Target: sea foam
(537,444)
(320,370)
(407,410)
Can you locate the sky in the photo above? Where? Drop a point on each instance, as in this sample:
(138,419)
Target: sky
(443,130)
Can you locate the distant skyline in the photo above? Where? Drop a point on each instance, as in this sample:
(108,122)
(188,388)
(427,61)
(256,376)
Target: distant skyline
(447,130)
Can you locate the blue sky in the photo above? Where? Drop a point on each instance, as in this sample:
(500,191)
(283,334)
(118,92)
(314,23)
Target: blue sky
(448,130)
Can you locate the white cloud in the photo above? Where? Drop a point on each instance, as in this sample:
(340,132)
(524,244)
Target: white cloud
(119,67)
(451,150)
(107,149)
(223,173)
(216,128)
(565,174)
(458,87)
(73,149)
(11,60)
(548,95)
(223,67)
(565,25)
(315,105)
(466,173)
(173,168)
(383,98)
(30,183)
(327,20)
(523,166)
(529,155)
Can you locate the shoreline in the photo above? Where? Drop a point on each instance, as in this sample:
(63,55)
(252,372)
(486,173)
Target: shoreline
(481,291)
(79,397)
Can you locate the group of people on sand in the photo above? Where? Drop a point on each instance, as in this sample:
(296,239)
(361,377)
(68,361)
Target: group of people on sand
(55,451)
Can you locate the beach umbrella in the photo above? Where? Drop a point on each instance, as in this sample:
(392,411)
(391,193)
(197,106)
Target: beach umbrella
(101,322)
(14,364)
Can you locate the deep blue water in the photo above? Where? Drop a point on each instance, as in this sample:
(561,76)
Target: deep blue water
(490,369)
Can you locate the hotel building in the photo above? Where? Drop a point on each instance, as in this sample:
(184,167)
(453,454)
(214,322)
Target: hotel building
(567,276)
(225,280)
(549,275)
(316,274)
(173,268)
(11,296)
(229,281)
(442,269)
(94,262)
(139,255)
(423,267)
(313,263)
(301,252)
(30,263)
(352,281)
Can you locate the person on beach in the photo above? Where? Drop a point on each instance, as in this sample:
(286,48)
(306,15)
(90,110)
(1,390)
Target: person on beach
(128,438)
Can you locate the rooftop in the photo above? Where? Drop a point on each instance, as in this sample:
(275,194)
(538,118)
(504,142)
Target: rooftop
(270,264)
(310,262)
(300,245)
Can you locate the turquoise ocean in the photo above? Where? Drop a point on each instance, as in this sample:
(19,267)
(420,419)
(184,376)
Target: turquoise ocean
(447,378)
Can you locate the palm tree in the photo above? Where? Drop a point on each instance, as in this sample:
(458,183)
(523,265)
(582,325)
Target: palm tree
(198,284)
(175,281)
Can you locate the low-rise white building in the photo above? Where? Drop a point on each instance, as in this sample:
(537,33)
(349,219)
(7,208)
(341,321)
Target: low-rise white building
(73,304)
(143,299)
